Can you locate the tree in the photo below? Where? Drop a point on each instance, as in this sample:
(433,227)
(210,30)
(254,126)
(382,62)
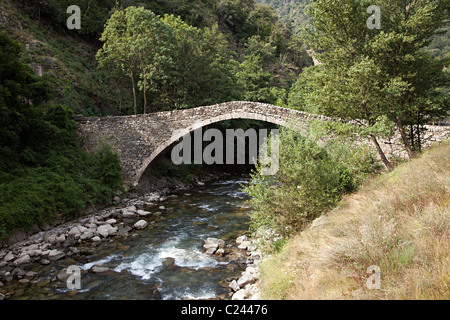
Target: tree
(310,179)
(181,65)
(412,75)
(371,74)
(22,130)
(255,80)
(136,42)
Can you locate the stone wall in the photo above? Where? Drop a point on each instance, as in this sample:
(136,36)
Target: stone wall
(432,134)
(140,139)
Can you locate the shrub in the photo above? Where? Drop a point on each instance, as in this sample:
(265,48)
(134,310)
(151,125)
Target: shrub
(310,180)
(63,179)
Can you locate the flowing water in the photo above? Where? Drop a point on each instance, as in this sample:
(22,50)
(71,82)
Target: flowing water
(165,260)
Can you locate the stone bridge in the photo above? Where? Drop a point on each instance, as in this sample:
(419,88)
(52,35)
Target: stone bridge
(140,139)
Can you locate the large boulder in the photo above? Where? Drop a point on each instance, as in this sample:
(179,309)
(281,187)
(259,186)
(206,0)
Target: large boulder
(9,256)
(143,213)
(88,234)
(63,275)
(128,214)
(141,224)
(245,245)
(106,230)
(234,285)
(75,232)
(98,268)
(241,239)
(246,278)
(111,221)
(240,295)
(22,260)
(56,255)
(212,244)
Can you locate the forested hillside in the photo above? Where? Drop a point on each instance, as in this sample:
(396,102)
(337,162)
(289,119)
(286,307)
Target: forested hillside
(219,50)
(291,12)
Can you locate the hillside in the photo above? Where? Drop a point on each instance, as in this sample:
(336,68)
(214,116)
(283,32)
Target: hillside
(291,12)
(67,58)
(398,221)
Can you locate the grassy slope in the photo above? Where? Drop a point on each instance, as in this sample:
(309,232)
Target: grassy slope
(398,221)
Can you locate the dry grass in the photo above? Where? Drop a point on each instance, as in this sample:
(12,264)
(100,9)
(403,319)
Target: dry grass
(398,221)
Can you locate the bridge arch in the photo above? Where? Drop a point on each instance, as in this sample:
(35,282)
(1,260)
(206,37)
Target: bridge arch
(176,136)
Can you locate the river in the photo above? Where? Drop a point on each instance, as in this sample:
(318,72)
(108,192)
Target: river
(163,261)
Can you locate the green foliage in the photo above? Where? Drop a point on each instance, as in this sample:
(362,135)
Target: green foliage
(43,172)
(182,66)
(261,74)
(197,65)
(255,80)
(292,12)
(311,179)
(440,45)
(136,42)
(188,66)
(369,75)
(62,182)
(94,13)
(202,71)
(105,165)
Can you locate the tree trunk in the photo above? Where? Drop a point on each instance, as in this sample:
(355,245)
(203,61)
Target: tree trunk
(375,141)
(134,93)
(411,135)
(381,153)
(87,9)
(419,138)
(145,96)
(405,140)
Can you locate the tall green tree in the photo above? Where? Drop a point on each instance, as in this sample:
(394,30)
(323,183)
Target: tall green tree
(21,93)
(136,42)
(372,74)
(180,65)
(398,49)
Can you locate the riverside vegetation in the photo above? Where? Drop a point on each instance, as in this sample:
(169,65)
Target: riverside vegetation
(213,51)
(372,78)
(44,173)
(398,221)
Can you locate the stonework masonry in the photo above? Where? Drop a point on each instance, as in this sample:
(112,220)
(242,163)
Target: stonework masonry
(140,139)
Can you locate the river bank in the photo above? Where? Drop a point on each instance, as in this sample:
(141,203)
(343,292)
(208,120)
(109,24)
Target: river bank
(74,242)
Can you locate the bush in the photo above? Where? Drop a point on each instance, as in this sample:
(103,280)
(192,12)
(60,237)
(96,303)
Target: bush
(43,171)
(64,180)
(310,180)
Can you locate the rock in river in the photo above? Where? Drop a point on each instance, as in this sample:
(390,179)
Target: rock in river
(22,260)
(212,244)
(56,255)
(106,230)
(141,224)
